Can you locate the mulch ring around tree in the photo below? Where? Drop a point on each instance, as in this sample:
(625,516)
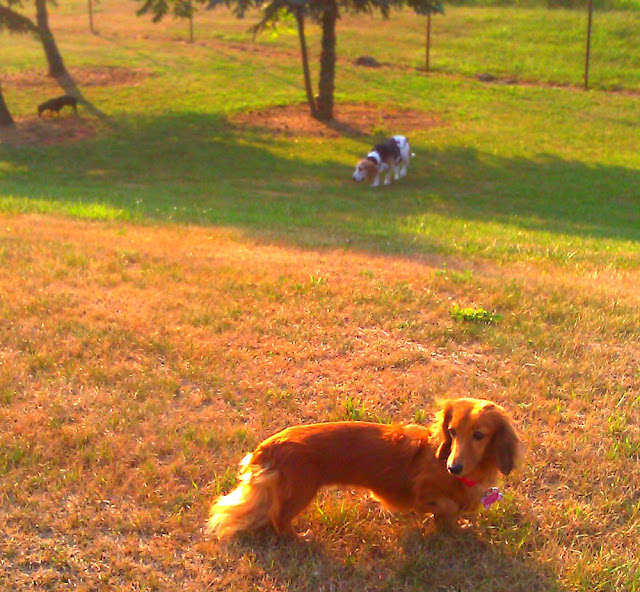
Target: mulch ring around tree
(65,127)
(350,119)
(62,129)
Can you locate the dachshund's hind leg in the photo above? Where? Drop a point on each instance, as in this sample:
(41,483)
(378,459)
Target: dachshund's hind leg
(291,501)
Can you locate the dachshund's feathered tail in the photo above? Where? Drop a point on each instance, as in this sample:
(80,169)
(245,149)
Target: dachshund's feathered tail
(248,505)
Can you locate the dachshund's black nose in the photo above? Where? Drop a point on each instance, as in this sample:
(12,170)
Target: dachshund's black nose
(455,469)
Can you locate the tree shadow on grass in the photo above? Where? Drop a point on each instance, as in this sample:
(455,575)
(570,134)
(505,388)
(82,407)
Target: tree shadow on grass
(202,169)
(463,562)
(545,192)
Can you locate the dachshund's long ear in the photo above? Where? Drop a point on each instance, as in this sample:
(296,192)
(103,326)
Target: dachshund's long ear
(441,432)
(507,445)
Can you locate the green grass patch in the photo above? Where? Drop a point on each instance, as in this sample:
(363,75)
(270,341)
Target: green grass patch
(473,315)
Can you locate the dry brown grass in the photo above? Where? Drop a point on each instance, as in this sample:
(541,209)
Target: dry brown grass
(138,364)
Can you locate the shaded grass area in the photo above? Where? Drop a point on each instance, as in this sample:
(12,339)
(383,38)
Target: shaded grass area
(202,170)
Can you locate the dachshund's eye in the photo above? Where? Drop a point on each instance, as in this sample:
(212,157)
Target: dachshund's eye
(478,435)
(452,432)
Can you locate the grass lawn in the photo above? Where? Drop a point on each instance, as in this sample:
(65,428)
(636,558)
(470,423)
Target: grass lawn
(187,268)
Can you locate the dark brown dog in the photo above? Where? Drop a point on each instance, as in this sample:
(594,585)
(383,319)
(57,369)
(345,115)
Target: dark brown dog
(54,105)
(446,469)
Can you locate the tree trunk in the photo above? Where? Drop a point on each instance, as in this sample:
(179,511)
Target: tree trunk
(326,85)
(57,68)
(5,116)
(305,63)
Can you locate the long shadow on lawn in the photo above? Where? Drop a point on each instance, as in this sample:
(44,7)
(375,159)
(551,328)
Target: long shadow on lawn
(200,168)
(436,561)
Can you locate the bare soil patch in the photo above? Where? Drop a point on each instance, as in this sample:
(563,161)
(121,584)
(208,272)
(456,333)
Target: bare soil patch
(48,130)
(357,119)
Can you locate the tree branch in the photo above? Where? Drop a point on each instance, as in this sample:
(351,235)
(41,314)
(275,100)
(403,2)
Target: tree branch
(14,22)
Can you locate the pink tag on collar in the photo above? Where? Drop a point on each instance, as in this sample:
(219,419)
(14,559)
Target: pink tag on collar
(492,496)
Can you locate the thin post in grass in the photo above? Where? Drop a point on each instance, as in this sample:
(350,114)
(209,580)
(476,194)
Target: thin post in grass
(299,15)
(433,7)
(588,52)
(428,42)
(91,27)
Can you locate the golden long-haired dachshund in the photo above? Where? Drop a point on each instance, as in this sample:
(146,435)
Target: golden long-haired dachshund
(448,469)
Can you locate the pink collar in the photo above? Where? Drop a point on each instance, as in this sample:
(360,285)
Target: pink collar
(467,482)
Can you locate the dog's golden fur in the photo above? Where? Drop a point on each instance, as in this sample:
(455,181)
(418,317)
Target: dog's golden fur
(443,470)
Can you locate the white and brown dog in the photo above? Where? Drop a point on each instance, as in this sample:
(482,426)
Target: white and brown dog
(390,158)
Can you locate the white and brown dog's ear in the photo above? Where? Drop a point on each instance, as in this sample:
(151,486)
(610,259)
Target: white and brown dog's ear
(365,169)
